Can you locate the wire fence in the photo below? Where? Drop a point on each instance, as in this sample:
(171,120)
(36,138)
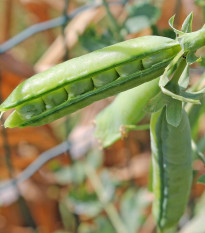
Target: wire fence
(34,166)
(64,146)
(39,27)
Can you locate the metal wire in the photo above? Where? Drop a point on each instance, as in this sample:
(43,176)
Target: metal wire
(33,167)
(64,146)
(49,24)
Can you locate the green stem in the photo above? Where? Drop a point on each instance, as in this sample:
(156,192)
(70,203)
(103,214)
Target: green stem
(179,71)
(108,206)
(114,25)
(169,69)
(169,230)
(203,10)
(173,84)
(137,127)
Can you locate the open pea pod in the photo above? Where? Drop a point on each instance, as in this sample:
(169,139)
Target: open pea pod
(79,82)
(127,109)
(76,83)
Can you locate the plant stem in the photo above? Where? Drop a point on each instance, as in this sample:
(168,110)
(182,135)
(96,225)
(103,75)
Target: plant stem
(178,72)
(137,127)
(108,207)
(114,25)
(203,10)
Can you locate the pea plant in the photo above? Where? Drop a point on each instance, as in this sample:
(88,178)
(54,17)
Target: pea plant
(156,69)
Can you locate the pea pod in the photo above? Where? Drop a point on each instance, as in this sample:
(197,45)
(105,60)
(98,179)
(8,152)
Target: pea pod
(105,72)
(172,168)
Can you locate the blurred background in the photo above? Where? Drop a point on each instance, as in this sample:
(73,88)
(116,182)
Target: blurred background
(66,183)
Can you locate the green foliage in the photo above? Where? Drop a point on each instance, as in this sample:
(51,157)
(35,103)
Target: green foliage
(67,218)
(76,173)
(202,179)
(110,122)
(101,225)
(129,108)
(132,207)
(174,112)
(92,41)
(141,16)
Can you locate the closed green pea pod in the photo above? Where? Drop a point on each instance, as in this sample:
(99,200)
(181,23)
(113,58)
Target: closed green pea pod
(172,169)
(89,78)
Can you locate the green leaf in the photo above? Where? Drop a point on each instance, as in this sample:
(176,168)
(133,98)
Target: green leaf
(168,33)
(141,16)
(193,95)
(184,79)
(95,158)
(201,179)
(179,97)
(156,103)
(109,184)
(174,112)
(187,24)
(127,109)
(71,174)
(146,9)
(137,24)
(169,70)
(132,208)
(171,24)
(100,225)
(82,202)
(67,217)
(92,41)
(103,226)
(192,58)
